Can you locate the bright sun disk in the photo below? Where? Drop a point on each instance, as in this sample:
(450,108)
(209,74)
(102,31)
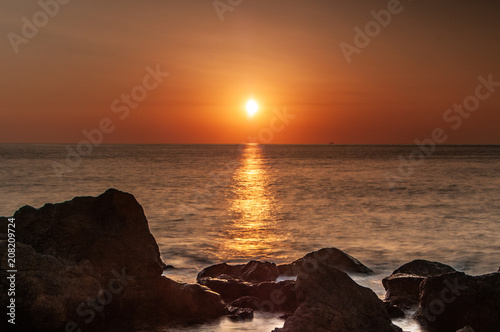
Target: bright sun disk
(252,107)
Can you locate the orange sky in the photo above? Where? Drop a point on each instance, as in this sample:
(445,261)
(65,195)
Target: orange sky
(283,53)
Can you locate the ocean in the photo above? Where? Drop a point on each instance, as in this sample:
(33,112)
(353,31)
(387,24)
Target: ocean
(208,204)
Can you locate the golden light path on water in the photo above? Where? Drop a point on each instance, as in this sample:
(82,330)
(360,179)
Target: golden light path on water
(252,230)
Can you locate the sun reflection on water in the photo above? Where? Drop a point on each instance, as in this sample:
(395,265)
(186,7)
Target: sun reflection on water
(253,211)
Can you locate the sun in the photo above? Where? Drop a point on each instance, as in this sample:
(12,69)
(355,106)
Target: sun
(252,107)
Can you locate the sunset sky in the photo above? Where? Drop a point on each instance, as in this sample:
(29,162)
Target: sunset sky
(72,73)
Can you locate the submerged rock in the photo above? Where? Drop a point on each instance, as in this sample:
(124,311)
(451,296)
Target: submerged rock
(330,301)
(92,263)
(331,257)
(403,284)
(451,301)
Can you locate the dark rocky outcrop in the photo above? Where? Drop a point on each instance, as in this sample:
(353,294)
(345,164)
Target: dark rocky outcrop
(331,301)
(331,257)
(251,285)
(403,284)
(92,262)
(253,271)
(454,300)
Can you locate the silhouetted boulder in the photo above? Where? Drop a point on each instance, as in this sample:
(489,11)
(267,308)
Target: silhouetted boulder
(451,301)
(331,257)
(254,283)
(253,271)
(229,290)
(331,301)
(403,284)
(263,296)
(92,263)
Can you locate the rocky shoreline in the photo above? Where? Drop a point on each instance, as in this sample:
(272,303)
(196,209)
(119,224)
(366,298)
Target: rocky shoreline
(92,264)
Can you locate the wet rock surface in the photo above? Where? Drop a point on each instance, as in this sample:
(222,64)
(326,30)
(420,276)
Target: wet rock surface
(451,301)
(92,262)
(331,301)
(403,284)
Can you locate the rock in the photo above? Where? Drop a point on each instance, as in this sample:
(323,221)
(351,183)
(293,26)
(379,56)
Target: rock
(92,263)
(46,286)
(229,290)
(111,231)
(269,296)
(250,285)
(193,303)
(466,329)
(239,314)
(253,271)
(403,284)
(331,301)
(332,257)
(451,301)
(246,302)
(167,267)
(394,312)
(275,296)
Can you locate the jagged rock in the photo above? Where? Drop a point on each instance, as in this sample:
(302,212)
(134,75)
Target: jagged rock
(264,296)
(254,282)
(229,290)
(451,301)
(332,257)
(253,271)
(331,301)
(403,284)
(394,312)
(238,314)
(92,263)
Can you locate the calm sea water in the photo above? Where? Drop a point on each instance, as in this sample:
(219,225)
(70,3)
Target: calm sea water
(212,203)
